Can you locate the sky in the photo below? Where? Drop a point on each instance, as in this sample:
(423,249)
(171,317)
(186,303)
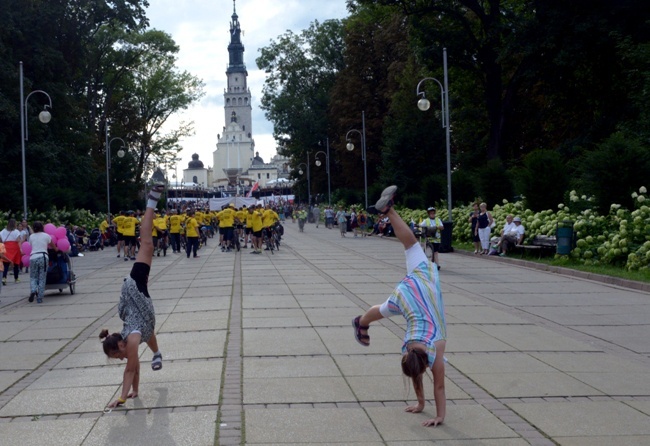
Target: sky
(201,29)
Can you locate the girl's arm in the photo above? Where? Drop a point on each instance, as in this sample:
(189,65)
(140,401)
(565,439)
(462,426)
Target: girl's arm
(419,392)
(438,370)
(132,367)
(136,383)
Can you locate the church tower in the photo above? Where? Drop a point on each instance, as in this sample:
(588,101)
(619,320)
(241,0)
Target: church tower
(235,147)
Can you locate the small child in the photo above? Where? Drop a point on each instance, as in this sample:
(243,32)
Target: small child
(418,298)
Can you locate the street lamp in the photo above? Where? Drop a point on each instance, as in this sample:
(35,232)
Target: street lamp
(424,104)
(350,148)
(120,153)
(44,116)
(300,171)
(327,170)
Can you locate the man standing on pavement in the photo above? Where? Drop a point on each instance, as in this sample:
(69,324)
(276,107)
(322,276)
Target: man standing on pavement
(175,222)
(315,212)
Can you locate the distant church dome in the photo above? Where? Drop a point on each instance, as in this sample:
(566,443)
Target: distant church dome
(257,161)
(195,163)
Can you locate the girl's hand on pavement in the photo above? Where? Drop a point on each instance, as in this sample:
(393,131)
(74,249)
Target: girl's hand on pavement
(433,422)
(114,404)
(414,409)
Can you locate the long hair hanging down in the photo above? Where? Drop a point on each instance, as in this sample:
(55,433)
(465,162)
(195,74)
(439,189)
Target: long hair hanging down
(109,341)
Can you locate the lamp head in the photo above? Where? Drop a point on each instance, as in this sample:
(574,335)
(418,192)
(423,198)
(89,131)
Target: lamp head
(300,172)
(424,104)
(318,163)
(44,116)
(121,153)
(349,146)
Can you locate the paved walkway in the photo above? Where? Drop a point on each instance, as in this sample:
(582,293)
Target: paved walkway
(259,350)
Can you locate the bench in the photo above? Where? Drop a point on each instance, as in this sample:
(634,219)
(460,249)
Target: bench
(539,244)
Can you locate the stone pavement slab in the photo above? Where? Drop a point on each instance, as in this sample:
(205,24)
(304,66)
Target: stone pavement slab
(470,422)
(162,428)
(39,432)
(303,425)
(585,419)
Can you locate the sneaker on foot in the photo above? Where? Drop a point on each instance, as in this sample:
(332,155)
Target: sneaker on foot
(31,297)
(126,259)
(386,199)
(39,301)
(17,281)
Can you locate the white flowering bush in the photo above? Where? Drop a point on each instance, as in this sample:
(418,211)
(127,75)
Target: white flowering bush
(621,237)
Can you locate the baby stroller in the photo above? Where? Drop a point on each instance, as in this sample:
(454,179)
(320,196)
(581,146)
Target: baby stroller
(95,240)
(59,272)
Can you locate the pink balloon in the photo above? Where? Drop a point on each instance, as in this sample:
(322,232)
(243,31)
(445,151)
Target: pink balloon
(63,245)
(27,248)
(60,232)
(50,229)
(54,238)
(25,260)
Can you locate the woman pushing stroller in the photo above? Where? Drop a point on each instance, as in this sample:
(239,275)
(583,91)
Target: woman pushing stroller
(136,311)
(418,298)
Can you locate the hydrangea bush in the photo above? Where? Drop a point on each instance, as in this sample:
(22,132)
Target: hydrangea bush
(621,237)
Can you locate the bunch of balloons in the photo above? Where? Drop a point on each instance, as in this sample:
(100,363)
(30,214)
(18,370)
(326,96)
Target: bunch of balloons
(59,238)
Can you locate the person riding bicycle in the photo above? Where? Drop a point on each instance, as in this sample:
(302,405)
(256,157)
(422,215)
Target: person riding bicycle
(431,228)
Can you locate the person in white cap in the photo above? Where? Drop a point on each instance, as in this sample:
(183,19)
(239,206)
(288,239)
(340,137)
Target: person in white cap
(513,237)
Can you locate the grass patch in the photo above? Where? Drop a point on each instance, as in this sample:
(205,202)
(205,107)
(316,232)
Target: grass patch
(605,270)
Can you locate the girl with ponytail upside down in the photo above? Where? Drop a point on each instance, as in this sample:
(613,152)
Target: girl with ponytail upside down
(418,298)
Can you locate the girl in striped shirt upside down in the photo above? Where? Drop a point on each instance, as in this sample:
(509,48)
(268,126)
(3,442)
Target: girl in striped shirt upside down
(418,298)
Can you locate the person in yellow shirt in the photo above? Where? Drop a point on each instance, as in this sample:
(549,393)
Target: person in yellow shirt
(269,217)
(103,229)
(248,236)
(192,234)
(160,227)
(128,230)
(227,223)
(119,228)
(240,221)
(175,222)
(255,219)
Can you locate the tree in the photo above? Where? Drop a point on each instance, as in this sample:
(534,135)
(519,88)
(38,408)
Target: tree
(301,70)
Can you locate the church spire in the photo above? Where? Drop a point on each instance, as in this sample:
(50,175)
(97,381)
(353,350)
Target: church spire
(236,48)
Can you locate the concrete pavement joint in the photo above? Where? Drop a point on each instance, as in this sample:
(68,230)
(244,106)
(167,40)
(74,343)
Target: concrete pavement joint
(231,397)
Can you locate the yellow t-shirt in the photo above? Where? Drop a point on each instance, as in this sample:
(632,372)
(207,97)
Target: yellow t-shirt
(249,219)
(227,218)
(175,222)
(103,226)
(199,216)
(269,217)
(159,224)
(256,221)
(119,223)
(241,216)
(128,227)
(191,227)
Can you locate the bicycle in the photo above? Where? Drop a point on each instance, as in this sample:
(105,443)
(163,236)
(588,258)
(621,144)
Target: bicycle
(268,240)
(427,237)
(162,244)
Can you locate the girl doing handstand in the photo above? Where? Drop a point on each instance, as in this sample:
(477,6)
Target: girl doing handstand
(136,311)
(418,298)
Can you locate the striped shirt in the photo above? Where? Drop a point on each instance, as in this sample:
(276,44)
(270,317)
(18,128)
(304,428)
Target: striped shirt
(418,298)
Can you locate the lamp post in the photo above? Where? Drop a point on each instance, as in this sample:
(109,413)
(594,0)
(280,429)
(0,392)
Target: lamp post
(424,104)
(120,153)
(327,170)
(300,171)
(44,116)
(350,148)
